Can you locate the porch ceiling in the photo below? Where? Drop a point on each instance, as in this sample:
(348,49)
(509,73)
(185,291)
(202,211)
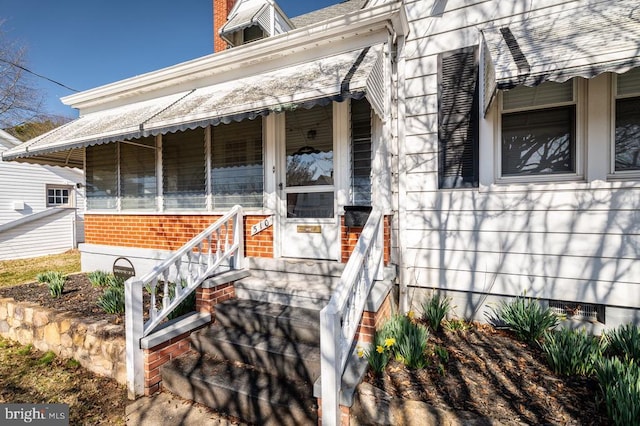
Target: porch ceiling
(304,85)
(581,42)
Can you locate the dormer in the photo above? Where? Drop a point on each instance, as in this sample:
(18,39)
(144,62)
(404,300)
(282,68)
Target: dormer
(251,20)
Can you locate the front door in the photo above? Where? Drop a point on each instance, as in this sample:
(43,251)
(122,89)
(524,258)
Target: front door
(308,214)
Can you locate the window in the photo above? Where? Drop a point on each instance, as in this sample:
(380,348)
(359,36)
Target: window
(458,118)
(59,196)
(138,188)
(627,122)
(361,151)
(252,33)
(237,166)
(102,176)
(184,170)
(539,130)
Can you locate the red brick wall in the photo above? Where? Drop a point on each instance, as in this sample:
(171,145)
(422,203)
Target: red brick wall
(371,321)
(349,238)
(166,232)
(221,9)
(208,298)
(160,355)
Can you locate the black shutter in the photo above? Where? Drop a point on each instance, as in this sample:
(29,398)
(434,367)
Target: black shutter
(458,117)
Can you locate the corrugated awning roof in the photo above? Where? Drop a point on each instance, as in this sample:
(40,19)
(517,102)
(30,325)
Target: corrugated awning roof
(580,42)
(304,85)
(244,18)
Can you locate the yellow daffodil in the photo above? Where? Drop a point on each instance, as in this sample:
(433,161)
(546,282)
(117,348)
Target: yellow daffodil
(379,349)
(360,352)
(389,342)
(411,314)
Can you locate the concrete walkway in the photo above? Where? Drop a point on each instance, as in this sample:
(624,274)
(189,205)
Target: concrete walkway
(168,410)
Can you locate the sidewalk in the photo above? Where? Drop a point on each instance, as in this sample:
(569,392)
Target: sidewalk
(168,410)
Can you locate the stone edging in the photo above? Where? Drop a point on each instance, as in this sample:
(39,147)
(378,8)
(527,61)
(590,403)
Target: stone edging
(97,345)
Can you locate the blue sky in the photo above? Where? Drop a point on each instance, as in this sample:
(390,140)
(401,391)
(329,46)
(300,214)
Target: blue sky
(87,43)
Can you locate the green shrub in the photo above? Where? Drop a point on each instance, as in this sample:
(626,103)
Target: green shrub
(56,286)
(435,309)
(409,341)
(378,356)
(620,386)
(624,342)
(47,277)
(442,353)
(456,325)
(571,352)
(47,358)
(112,300)
(100,278)
(526,318)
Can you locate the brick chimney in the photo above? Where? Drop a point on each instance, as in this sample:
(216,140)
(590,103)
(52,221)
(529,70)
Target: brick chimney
(221,9)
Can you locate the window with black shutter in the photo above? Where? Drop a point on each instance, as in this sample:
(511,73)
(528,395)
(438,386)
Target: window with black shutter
(458,117)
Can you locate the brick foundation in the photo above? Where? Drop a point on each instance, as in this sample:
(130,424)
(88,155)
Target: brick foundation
(350,235)
(208,298)
(371,321)
(167,232)
(345,414)
(156,357)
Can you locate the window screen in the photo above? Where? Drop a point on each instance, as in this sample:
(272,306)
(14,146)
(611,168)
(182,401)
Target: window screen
(627,132)
(237,165)
(138,174)
(361,151)
(183,170)
(102,176)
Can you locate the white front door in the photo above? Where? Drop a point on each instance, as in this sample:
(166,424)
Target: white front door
(309,223)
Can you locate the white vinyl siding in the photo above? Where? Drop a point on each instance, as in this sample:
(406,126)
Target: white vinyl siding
(25,185)
(567,240)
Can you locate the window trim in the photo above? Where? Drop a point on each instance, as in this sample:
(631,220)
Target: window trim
(579,100)
(54,186)
(613,173)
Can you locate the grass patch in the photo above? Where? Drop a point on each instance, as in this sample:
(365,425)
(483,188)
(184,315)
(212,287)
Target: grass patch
(42,378)
(22,271)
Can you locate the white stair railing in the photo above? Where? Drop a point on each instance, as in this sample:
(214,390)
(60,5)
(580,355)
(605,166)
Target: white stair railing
(339,320)
(220,245)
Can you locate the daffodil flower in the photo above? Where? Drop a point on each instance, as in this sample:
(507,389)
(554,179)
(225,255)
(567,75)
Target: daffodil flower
(411,314)
(379,349)
(389,342)
(360,352)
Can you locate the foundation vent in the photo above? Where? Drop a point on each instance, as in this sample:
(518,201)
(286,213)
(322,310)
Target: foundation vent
(578,310)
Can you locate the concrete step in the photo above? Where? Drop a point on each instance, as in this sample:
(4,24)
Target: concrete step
(277,320)
(276,355)
(296,266)
(248,394)
(293,289)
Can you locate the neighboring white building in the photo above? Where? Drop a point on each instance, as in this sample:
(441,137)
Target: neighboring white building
(503,138)
(39,207)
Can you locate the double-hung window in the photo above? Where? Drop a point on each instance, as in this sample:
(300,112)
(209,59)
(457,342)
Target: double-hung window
(627,123)
(539,132)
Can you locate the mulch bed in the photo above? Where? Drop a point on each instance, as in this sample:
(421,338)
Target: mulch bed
(491,374)
(78,298)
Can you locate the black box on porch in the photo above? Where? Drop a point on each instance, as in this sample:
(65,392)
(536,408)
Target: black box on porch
(356,216)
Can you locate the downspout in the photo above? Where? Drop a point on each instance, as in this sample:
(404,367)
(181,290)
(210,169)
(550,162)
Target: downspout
(398,159)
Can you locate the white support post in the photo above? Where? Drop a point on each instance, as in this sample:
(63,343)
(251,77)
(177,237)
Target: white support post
(134,325)
(330,364)
(379,249)
(238,235)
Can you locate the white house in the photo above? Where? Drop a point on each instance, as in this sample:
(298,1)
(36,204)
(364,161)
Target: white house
(41,207)
(499,140)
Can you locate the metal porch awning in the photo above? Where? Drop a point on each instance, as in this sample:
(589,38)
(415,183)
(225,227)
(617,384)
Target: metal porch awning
(584,41)
(334,78)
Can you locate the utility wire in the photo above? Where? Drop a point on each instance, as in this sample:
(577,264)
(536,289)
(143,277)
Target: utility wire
(37,75)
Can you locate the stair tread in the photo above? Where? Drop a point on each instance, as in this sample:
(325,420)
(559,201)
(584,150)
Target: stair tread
(260,341)
(240,379)
(273,310)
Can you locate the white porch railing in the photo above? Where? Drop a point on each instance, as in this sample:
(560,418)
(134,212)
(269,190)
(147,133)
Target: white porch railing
(220,244)
(339,320)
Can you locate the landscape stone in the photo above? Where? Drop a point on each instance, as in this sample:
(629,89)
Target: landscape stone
(51,334)
(3,312)
(41,318)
